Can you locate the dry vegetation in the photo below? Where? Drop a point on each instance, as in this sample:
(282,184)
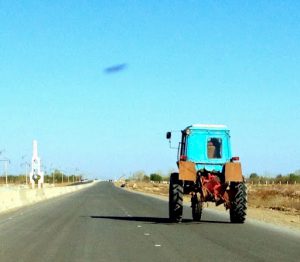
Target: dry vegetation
(148,187)
(277,197)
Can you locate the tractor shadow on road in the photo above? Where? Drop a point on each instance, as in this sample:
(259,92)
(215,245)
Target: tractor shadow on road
(157,220)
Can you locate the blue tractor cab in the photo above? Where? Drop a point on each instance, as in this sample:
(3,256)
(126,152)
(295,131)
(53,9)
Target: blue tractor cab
(208,146)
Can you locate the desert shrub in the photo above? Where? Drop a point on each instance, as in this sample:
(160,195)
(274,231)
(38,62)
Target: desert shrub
(146,178)
(156,177)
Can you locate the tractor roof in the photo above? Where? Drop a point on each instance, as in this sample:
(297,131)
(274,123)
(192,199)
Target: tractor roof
(207,127)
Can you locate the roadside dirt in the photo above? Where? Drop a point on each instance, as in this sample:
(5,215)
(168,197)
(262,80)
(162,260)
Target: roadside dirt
(260,207)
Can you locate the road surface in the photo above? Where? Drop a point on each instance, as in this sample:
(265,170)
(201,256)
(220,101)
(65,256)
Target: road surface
(105,223)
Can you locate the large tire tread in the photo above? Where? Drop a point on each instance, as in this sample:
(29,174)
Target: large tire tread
(175,198)
(239,204)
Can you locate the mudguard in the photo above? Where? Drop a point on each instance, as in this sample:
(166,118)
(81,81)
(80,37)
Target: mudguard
(233,172)
(187,171)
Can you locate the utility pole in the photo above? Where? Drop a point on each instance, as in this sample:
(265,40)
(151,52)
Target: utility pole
(51,168)
(26,168)
(6,162)
(26,172)
(1,151)
(5,167)
(26,165)
(76,173)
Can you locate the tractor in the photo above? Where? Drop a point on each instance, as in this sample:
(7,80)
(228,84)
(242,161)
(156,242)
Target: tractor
(208,173)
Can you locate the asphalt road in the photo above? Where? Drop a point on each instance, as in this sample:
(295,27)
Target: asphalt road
(105,223)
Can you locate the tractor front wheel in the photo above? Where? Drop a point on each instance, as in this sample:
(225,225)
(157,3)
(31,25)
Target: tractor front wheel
(196,208)
(175,198)
(239,203)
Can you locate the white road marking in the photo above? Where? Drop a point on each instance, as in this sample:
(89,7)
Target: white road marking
(146,234)
(157,245)
(139,226)
(126,212)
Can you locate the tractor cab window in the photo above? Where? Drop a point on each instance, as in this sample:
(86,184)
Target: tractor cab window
(214,147)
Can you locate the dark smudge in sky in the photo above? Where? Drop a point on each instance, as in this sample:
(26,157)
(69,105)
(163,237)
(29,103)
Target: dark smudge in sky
(115,68)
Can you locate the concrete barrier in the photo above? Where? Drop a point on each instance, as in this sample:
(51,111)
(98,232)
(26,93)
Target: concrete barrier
(15,196)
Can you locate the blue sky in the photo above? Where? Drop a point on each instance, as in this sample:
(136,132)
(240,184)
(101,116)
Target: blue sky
(222,62)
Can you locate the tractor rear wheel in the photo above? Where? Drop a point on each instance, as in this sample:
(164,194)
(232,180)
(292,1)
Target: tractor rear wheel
(196,208)
(238,203)
(175,198)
